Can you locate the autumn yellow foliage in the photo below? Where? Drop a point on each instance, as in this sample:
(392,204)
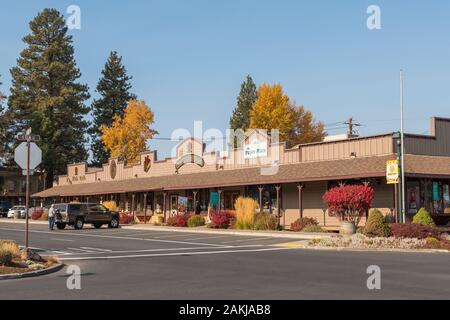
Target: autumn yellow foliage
(274,110)
(245,212)
(111,205)
(271,111)
(127,136)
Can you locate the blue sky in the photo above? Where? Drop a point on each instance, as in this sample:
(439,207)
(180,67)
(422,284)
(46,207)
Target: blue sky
(188,58)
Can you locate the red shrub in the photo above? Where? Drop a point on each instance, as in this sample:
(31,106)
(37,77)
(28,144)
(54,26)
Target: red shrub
(349,203)
(221,219)
(126,219)
(413,230)
(178,220)
(37,213)
(299,224)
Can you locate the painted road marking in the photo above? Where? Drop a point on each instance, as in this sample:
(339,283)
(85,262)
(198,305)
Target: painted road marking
(56,239)
(171,254)
(82,250)
(206,238)
(96,249)
(42,250)
(85,252)
(122,238)
(290,245)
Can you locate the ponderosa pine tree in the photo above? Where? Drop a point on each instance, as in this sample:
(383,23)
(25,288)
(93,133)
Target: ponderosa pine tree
(3,137)
(114,89)
(240,118)
(46,96)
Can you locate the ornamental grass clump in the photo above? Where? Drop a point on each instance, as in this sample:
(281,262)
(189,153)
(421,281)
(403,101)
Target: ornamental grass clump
(9,250)
(245,212)
(423,217)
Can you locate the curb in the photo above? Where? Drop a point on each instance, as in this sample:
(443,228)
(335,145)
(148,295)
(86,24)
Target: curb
(36,273)
(374,249)
(231,232)
(22,221)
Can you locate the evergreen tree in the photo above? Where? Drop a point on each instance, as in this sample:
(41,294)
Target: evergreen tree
(46,96)
(240,118)
(247,97)
(114,89)
(3,138)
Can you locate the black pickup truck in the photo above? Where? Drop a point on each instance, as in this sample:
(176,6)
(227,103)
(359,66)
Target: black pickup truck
(78,214)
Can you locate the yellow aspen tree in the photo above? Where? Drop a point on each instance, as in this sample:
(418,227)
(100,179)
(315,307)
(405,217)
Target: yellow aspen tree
(127,136)
(271,111)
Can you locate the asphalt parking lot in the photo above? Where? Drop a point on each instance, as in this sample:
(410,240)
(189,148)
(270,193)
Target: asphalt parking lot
(105,243)
(136,264)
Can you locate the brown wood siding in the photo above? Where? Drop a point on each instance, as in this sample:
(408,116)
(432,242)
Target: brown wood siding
(437,144)
(362,147)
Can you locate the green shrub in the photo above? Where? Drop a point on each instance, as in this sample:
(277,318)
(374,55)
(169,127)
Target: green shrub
(6,257)
(376,225)
(313,228)
(360,230)
(423,217)
(196,221)
(265,221)
(299,224)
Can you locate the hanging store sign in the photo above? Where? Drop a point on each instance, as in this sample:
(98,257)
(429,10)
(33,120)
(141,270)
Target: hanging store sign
(392,172)
(255,149)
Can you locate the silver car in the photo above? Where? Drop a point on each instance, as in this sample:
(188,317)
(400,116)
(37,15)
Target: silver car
(18,211)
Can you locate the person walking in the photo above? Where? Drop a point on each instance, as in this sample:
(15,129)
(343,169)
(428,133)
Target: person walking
(51,217)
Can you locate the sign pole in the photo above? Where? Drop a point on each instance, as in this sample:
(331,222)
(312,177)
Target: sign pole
(22,156)
(27,192)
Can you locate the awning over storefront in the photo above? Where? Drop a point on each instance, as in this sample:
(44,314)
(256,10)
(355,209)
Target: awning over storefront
(300,172)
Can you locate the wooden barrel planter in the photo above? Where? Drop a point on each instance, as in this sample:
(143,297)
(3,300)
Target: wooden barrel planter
(347,228)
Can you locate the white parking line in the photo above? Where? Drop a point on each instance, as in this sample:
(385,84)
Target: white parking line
(96,249)
(171,254)
(84,252)
(211,237)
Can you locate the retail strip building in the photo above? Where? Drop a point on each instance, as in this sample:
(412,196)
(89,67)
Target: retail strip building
(290,182)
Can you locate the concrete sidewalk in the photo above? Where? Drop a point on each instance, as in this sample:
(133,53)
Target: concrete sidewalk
(205,230)
(250,233)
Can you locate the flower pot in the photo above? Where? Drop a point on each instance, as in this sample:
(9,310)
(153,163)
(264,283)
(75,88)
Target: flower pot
(347,228)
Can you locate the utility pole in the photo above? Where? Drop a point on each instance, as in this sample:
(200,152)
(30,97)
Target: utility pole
(351,124)
(402,159)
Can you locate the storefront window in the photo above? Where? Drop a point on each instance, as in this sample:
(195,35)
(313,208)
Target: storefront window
(446,195)
(413,197)
(269,198)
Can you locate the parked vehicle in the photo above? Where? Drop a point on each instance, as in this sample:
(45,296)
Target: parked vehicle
(4,207)
(78,214)
(17,212)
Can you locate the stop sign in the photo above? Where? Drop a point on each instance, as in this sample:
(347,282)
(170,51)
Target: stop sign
(20,155)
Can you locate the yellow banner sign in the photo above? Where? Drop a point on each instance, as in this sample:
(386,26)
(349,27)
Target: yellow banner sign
(392,176)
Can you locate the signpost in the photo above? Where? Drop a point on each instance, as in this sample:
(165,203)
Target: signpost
(28,156)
